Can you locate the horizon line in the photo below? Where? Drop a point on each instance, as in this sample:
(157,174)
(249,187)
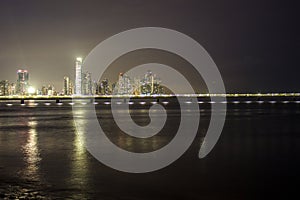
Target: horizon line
(290,94)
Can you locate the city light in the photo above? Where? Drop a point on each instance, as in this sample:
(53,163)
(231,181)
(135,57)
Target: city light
(79,59)
(31,90)
(149,85)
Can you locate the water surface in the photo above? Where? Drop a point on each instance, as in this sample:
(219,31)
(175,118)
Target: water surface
(42,157)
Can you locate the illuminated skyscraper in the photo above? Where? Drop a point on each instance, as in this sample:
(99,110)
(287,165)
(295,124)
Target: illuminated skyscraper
(150,84)
(22,82)
(12,89)
(67,85)
(87,87)
(78,76)
(71,89)
(124,85)
(103,87)
(51,90)
(44,90)
(4,88)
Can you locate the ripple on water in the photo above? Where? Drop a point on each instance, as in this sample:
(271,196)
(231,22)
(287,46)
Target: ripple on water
(22,190)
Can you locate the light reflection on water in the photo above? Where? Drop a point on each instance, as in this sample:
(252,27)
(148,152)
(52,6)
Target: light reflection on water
(79,165)
(144,145)
(31,153)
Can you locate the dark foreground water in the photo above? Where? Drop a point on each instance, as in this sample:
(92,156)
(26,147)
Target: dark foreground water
(257,156)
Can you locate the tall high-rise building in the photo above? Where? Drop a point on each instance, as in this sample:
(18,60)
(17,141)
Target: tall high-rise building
(94,87)
(44,90)
(78,76)
(103,87)
(22,82)
(51,90)
(67,85)
(4,88)
(71,89)
(124,85)
(12,89)
(87,86)
(137,86)
(150,84)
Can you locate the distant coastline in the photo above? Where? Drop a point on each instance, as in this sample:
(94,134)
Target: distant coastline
(45,97)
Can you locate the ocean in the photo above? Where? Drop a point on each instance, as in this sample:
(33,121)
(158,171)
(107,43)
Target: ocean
(256,157)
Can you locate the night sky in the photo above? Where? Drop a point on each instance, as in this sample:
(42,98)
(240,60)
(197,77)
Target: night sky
(255,44)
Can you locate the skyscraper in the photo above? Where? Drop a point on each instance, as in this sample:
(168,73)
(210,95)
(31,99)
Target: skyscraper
(71,89)
(12,89)
(66,85)
(78,76)
(4,88)
(150,84)
(124,85)
(22,82)
(51,90)
(103,87)
(87,87)
(44,90)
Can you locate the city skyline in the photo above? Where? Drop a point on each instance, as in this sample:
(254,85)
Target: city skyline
(255,46)
(125,85)
(82,84)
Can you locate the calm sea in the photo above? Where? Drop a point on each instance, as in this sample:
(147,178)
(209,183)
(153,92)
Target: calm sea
(256,157)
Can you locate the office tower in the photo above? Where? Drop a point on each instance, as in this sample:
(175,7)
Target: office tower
(124,85)
(137,86)
(87,87)
(66,86)
(12,89)
(22,82)
(94,87)
(4,88)
(103,87)
(78,76)
(51,90)
(150,84)
(71,88)
(44,90)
